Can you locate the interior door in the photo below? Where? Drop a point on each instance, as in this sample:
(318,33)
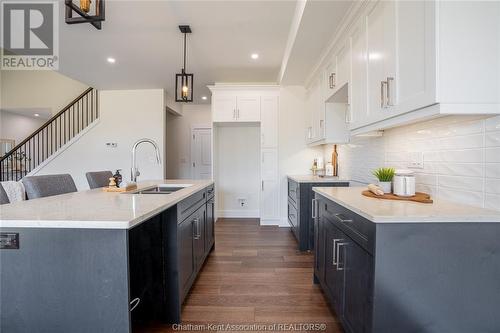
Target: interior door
(224,108)
(269,122)
(248,108)
(381,49)
(201,153)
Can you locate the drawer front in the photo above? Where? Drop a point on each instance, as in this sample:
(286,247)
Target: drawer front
(293,191)
(361,230)
(292,215)
(187,206)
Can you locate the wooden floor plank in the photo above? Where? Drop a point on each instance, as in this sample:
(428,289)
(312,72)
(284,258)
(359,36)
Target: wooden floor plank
(255,275)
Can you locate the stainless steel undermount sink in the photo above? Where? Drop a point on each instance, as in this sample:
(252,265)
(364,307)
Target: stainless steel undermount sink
(161,189)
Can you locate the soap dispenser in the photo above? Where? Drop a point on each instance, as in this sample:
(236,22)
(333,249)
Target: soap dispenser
(118,177)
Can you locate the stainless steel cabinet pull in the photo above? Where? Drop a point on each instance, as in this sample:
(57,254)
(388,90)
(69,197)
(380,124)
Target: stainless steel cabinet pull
(389,94)
(134,303)
(334,79)
(335,262)
(342,218)
(383,86)
(197,228)
(313,202)
(234,113)
(262,185)
(339,267)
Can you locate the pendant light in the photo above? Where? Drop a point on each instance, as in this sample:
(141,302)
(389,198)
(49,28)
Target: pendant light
(184,81)
(89,11)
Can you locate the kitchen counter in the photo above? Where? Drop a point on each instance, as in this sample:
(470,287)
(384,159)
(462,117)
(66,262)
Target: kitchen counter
(326,179)
(392,211)
(95,209)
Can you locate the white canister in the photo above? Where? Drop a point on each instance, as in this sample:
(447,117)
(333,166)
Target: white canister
(404,183)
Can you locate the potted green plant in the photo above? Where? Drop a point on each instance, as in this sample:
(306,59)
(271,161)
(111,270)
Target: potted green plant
(384,176)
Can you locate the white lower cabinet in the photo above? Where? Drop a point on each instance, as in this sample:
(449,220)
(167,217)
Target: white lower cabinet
(270,189)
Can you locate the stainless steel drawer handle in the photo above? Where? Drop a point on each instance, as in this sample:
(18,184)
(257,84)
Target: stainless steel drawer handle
(339,267)
(334,249)
(342,218)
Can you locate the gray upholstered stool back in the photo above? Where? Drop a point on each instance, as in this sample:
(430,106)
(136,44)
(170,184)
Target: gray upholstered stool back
(4,199)
(98,178)
(46,186)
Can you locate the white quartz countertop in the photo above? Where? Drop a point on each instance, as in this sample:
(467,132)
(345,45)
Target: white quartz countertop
(316,179)
(392,211)
(95,209)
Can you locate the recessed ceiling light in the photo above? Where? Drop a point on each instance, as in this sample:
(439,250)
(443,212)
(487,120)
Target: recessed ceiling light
(204,98)
(36,115)
(255,56)
(111,60)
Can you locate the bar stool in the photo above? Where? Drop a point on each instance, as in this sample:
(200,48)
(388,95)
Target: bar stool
(48,185)
(98,179)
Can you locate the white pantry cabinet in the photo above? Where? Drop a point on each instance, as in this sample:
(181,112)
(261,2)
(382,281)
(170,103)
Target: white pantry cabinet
(242,105)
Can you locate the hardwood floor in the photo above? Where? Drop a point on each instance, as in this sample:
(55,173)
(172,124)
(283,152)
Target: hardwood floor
(255,275)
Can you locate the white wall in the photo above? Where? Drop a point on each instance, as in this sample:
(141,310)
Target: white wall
(17,127)
(38,90)
(295,158)
(178,141)
(125,117)
(461,157)
(238,165)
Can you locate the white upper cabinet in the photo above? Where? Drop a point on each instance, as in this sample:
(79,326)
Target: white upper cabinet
(381,63)
(248,108)
(358,109)
(224,108)
(235,107)
(411,60)
(269,124)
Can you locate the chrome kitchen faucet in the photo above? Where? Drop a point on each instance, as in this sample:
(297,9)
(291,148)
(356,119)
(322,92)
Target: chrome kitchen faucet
(135,172)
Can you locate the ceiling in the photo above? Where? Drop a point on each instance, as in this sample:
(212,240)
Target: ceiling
(144,38)
(41,113)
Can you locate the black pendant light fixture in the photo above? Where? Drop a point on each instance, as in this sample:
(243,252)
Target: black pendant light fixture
(184,81)
(88,11)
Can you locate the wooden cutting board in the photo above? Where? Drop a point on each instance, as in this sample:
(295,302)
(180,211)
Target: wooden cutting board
(120,189)
(418,197)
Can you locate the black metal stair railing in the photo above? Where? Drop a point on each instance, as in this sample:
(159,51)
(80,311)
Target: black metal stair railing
(50,137)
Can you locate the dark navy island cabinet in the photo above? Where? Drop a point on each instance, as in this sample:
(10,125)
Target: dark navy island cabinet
(407,277)
(300,197)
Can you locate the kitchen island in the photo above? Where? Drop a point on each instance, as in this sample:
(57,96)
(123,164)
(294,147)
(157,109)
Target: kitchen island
(81,262)
(395,266)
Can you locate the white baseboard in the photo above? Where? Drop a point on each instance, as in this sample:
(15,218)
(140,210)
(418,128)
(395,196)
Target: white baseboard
(276,222)
(238,213)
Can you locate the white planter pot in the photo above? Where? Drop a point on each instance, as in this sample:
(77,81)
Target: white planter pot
(385,186)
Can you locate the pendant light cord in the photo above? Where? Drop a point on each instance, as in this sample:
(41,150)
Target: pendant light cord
(184,68)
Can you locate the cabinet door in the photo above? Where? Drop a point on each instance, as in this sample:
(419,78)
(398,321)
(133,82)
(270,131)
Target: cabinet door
(269,122)
(248,108)
(334,278)
(319,248)
(358,97)
(358,286)
(210,226)
(343,65)
(381,48)
(186,252)
(224,108)
(269,200)
(416,74)
(269,164)
(330,78)
(199,236)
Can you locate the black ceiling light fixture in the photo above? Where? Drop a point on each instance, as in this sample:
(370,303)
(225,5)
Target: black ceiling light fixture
(184,81)
(89,11)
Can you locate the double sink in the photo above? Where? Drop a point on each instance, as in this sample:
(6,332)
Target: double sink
(161,189)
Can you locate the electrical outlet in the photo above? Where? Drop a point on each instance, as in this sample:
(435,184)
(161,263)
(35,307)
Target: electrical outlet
(242,202)
(111,144)
(416,160)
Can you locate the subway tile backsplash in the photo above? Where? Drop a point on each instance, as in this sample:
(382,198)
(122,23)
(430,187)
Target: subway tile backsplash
(461,157)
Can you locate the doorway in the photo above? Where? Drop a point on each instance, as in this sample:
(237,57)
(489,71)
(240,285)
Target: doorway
(201,153)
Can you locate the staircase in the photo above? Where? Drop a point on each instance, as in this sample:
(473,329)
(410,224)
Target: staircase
(51,137)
